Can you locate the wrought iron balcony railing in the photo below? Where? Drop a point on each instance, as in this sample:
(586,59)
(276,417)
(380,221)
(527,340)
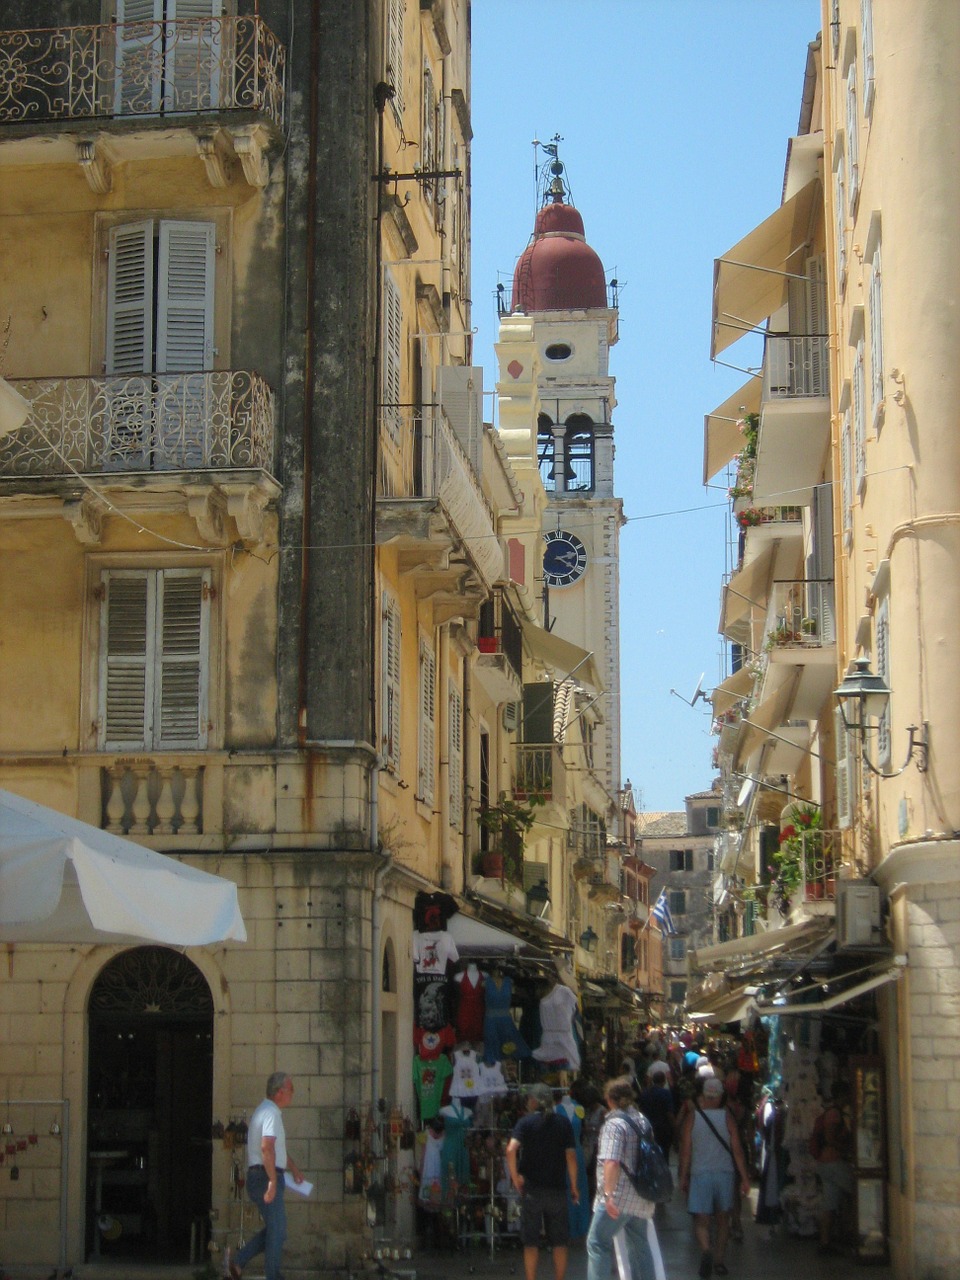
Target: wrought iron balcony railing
(803,614)
(795,367)
(152,422)
(136,69)
(540,771)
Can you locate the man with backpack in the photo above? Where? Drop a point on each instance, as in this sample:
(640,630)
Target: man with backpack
(830,1146)
(618,1210)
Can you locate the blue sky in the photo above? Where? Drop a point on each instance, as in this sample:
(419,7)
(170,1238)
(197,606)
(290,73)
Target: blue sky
(675,116)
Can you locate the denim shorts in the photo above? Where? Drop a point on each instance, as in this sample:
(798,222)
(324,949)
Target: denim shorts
(710,1193)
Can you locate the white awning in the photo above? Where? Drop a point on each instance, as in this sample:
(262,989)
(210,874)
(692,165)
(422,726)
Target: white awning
(566,658)
(62,880)
(750,280)
(721,435)
(726,957)
(474,938)
(765,719)
(891,971)
(748,589)
(731,690)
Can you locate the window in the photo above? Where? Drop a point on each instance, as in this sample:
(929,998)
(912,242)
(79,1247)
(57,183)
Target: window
(678,992)
(428,716)
(168,56)
(845,775)
(558,351)
(840,213)
(678,902)
(578,452)
(392,352)
(390,682)
(859,416)
(455,754)
(394,58)
(866,50)
(713,817)
(882,636)
(681,859)
(853,138)
(876,337)
(846,472)
(428,134)
(628,952)
(545,453)
(154,659)
(678,948)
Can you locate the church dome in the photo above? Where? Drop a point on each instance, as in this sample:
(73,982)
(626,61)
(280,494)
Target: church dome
(558,271)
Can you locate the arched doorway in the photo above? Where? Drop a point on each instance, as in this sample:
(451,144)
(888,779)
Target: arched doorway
(149,1108)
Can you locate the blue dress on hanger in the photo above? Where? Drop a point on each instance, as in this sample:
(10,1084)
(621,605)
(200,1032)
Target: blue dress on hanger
(582,1213)
(501,1039)
(455,1159)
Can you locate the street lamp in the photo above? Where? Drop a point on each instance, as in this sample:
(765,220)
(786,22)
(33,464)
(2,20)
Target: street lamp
(589,939)
(863,696)
(538,898)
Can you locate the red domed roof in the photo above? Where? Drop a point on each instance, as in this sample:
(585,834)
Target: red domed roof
(558,271)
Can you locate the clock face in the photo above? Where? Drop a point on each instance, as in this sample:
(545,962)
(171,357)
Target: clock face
(564,558)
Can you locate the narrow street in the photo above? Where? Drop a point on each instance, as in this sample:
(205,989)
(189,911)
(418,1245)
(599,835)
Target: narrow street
(761,1255)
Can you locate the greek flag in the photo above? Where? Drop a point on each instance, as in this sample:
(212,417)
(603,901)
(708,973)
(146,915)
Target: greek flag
(661,913)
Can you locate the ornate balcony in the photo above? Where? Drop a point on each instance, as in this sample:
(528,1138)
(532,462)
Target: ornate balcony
(540,771)
(152,422)
(84,81)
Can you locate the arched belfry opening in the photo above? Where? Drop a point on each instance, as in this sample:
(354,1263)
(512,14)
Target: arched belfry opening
(149,1109)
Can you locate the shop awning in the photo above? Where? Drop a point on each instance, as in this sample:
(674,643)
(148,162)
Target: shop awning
(566,658)
(731,690)
(750,280)
(730,1005)
(837,989)
(722,440)
(474,938)
(759,952)
(529,933)
(748,589)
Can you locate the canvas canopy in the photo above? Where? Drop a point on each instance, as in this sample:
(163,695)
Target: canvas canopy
(62,880)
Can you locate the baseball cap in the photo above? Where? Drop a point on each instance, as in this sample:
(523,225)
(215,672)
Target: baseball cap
(712,1087)
(658,1070)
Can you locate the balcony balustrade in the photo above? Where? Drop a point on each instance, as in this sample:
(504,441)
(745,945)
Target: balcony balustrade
(803,614)
(539,770)
(146,798)
(137,69)
(795,367)
(151,422)
(422,460)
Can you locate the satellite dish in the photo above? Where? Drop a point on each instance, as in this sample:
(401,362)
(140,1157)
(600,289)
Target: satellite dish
(698,693)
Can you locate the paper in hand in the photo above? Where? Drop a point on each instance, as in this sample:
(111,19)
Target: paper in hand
(301,1188)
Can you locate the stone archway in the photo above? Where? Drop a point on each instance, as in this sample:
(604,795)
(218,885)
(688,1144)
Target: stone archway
(149,1108)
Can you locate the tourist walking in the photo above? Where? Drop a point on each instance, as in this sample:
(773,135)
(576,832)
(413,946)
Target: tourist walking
(711,1160)
(542,1160)
(618,1211)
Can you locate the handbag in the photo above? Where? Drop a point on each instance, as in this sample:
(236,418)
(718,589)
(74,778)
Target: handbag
(652,1179)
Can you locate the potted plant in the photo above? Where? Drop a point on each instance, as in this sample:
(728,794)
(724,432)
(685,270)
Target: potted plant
(800,858)
(508,823)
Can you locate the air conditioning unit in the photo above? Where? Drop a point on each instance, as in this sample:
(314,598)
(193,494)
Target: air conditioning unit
(858,914)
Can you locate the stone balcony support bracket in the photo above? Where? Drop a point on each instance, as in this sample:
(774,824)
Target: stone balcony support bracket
(250,144)
(96,165)
(206,505)
(213,153)
(85,514)
(245,506)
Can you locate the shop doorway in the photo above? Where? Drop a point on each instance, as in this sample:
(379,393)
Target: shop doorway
(149,1109)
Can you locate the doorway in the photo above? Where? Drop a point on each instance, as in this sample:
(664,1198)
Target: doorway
(149,1109)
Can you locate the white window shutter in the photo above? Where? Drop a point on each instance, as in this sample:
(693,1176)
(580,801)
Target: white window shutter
(866,48)
(392,355)
(126,667)
(129,346)
(859,418)
(455,752)
(394,66)
(882,634)
(428,132)
(846,472)
(843,773)
(185,270)
(390,681)
(139,57)
(853,138)
(876,332)
(193,54)
(426,762)
(840,220)
(183,643)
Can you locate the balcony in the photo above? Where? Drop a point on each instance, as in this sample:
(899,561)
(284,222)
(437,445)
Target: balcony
(794,419)
(153,424)
(63,89)
(801,640)
(539,770)
(499,666)
(431,508)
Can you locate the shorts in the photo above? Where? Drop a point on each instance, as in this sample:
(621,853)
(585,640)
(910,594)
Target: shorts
(549,1207)
(710,1192)
(836,1180)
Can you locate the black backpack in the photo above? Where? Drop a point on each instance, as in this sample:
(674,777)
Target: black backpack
(651,1179)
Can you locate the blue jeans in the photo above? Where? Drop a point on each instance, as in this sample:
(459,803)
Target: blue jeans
(270,1238)
(600,1239)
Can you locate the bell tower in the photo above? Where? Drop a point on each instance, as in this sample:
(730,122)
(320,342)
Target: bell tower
(560,284)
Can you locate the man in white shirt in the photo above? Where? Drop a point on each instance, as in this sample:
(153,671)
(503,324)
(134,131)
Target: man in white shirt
(267,1162)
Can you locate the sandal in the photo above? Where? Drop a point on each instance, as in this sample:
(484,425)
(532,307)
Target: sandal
(720,1269)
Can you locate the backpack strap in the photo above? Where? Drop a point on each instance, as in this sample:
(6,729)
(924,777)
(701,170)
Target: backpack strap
(723,1142)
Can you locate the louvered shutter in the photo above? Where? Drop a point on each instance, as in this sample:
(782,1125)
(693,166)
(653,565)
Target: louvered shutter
(820,603)
(394,67)
(182,645)
(192,55)
(392,348)
(859,419)
(815,375)
(138,84)
(844,773)
(128,420)
(853,138)
(428,132)
(455,752)
(882,633)
(840,219)
(876,333)
(846,472)
(390,681)
(428,718)
(866,47)
(126,669)
(185,273)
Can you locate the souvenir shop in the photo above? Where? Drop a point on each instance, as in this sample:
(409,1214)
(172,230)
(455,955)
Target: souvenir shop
(813,1009)
(491,1014)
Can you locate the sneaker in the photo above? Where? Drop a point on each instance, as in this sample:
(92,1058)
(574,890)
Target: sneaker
(706,1265)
